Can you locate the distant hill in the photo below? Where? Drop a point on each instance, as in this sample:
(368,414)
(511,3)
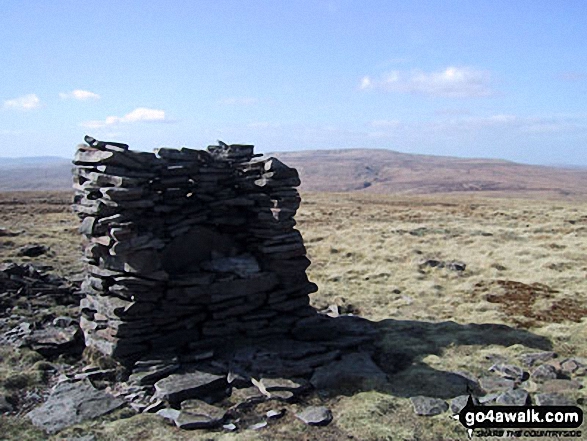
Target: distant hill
(387,171)
(364,170)
(36,173)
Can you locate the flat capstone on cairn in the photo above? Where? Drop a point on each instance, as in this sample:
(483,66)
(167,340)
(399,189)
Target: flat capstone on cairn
(196,280)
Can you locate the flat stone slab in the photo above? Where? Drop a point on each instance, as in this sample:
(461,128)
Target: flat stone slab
(491,384)
(514,397)
(551,399)
(559,385)
(509,371)
(315,415)
(72,403)
(196,414)
(544,372)
(183,386)
(533,358)
(458,403)
(428,406)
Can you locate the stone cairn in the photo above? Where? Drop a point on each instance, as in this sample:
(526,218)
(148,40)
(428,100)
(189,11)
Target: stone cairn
(187,246)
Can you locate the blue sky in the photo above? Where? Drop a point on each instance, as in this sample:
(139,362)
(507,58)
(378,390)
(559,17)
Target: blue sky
(501,79)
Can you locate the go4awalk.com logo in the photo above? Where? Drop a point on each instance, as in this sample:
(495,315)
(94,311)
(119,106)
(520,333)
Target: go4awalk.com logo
(521,421)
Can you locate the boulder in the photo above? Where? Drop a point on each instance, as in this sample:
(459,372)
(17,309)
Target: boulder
(195,384)
(428,406)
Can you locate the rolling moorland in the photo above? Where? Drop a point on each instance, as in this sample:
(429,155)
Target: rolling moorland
(381,229)
(365,170)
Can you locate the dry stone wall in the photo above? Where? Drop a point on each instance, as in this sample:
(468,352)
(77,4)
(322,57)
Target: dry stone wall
(186,246)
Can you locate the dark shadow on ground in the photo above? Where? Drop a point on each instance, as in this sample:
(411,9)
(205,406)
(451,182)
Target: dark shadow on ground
(403,344)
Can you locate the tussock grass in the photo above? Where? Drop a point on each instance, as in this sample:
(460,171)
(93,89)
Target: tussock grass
(524,289)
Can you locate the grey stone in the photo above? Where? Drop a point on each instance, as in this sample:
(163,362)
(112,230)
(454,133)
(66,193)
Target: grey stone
(315,416)
(32,250)
(574,366)
(509,371)
(275,414)
(552,399)
(458,403)
(168,414)
(355,370)
(532,358)
(71,403)
(246,396)
(544,372)
(196,414)
(514,397)
(559,385)
(258,426)
(53,341)
(489,398)
(491,384)
(275,384)
(196,384)
(229,427)
(151,374)
(428,406)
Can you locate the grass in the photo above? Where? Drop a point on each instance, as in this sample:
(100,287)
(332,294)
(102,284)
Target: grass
(524,289)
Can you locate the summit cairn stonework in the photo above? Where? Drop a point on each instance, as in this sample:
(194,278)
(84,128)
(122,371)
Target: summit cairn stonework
(187,246)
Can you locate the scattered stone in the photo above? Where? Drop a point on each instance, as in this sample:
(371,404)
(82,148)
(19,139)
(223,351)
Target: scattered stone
(559,385)
(574,366)
(491,384)
(196,414)
(150,374)
(552,399)
(6,233)
(282,384)
(32,250)
(72,403)
(535,357)
(315,416)
(456,266)
(514,397)
(258,426)
(428,406)
(247,396)
(544,372)
(282,395)
(509,371)
(458,403)
(275,414)
(168,414)
(183,386)
(489,398)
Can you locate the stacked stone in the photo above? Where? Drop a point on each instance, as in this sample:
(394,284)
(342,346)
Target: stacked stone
(184,246)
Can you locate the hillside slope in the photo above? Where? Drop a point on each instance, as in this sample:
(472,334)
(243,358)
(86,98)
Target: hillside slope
(386,171)
(367,170)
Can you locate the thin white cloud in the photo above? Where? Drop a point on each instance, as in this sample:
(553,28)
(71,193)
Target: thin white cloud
(80,95)
(137,115)
(25,102)
(452,82)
